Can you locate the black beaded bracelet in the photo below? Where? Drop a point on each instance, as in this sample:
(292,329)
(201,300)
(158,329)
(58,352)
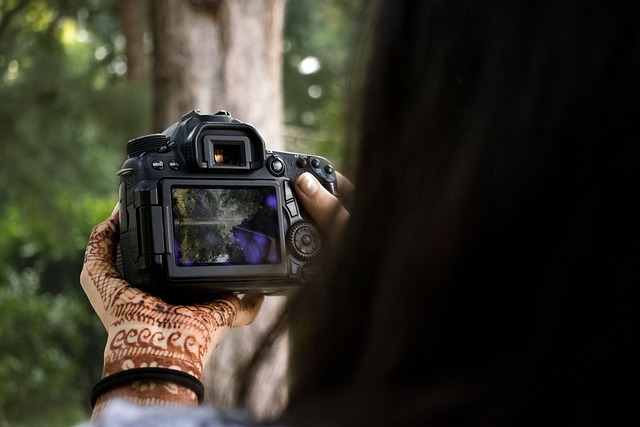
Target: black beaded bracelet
(147,374)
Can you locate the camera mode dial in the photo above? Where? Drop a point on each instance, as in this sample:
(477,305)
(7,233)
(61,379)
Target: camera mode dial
(156,142)
(303,240)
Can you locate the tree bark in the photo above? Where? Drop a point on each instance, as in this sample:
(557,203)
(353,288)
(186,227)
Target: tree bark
(226,55)
(132,15)
(219,55)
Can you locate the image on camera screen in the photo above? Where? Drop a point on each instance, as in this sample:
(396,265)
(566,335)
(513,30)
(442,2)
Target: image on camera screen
(225,225)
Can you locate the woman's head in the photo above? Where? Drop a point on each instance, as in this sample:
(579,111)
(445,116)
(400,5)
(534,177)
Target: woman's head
(496,163)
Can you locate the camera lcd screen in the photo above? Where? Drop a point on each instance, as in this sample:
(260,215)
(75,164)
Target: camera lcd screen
(225,225)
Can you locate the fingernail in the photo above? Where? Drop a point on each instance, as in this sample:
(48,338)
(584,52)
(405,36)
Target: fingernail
(115,209)
(307,184)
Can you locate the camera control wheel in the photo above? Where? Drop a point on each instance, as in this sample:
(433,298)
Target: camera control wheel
(304,240)
(150,143)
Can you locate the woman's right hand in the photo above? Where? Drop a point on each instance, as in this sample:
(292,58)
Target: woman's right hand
(330,212)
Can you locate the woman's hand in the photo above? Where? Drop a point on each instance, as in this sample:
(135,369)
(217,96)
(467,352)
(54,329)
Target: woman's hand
(330,212)
(145,331)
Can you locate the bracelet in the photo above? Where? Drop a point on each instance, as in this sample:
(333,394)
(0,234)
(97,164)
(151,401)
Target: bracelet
(147,374)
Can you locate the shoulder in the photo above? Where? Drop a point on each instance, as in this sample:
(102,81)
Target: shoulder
(124,414)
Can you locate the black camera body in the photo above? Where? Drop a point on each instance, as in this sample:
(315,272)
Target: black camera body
(204,206)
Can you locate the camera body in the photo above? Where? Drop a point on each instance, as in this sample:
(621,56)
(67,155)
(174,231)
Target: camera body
(204,206)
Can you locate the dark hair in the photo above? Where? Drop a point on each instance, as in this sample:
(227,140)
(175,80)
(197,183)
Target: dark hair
(489,271)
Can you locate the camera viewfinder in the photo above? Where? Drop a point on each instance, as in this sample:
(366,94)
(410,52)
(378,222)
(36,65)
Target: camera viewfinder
(226,152)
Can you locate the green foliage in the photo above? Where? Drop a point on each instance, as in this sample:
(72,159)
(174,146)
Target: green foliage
(43,340)
(317,39)
(65,115)
(51,340)
(66,112)
(65,118)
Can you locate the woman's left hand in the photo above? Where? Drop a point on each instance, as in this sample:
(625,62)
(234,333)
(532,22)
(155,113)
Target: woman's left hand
(145,331)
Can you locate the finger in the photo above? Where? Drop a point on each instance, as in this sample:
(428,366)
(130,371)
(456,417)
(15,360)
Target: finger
(103,241)
(325,208)
(230,310)
(345,190)
(100,278)
(249,308)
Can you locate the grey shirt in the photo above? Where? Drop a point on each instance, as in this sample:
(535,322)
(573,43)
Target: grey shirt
(120,413)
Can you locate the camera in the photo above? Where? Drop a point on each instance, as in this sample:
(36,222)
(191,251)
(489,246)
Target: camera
(204,206)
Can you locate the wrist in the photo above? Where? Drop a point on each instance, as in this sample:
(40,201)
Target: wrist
(150,366)
(132,348)
(148,386)
(147,393)
(115,366)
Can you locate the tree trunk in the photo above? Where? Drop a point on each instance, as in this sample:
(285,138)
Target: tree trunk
(132,15)
(226,55)
(219,54)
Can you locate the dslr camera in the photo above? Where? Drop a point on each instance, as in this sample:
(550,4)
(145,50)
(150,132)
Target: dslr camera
(204,206)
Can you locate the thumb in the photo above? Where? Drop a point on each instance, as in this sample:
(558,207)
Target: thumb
(249,308)
(324,207)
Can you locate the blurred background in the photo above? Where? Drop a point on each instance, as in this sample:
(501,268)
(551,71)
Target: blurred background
(78,78)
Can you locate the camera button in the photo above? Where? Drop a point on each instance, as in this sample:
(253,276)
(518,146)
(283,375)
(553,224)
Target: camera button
(301,163)
(294,268)
(315,163)
(328,169)
(276,166)
(292,208)
(157,165)
(174,164)
(288,194)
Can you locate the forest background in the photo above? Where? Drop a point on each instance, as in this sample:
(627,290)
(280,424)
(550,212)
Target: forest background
(68,104)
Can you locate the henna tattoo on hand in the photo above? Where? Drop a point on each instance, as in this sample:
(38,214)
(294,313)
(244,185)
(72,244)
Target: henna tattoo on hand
(146,331)
(151,331)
